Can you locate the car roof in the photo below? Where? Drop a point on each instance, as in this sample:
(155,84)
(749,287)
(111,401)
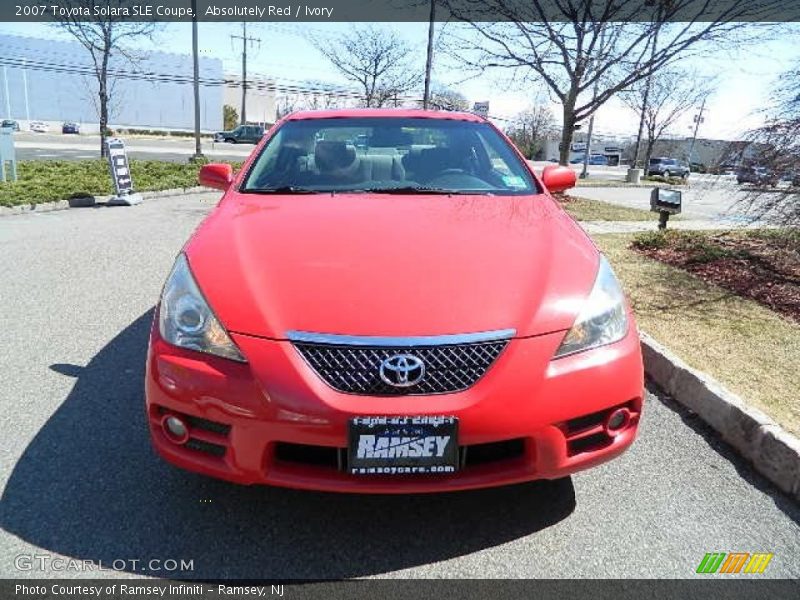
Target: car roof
(398,113)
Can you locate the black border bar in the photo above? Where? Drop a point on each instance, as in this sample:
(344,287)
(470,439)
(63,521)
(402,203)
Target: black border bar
(402,10)
(704,586)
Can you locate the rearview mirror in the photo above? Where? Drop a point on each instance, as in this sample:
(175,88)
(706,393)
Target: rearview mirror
(216,175)
(557,178)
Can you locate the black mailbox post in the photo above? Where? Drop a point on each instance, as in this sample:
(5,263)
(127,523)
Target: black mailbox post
(665,202)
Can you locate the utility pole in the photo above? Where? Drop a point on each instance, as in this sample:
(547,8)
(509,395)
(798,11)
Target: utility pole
(244,39)
(198,152)
(697,120)
(429,62)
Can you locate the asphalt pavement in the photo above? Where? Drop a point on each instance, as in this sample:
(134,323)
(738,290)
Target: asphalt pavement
(79,480)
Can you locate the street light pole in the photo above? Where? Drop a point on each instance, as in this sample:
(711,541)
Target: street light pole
(588,150)
(25,90)
(244,72)
(697,120)
(8,98)
(645,100)
(429,61)
(198,152)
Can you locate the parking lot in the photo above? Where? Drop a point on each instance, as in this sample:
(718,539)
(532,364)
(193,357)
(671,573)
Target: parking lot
(55,146)
(79,479)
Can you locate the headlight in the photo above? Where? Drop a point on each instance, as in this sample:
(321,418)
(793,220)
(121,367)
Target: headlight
(186,320)
(603,320)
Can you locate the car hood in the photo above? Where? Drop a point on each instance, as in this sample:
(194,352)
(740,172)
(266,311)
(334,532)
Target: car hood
(391,265)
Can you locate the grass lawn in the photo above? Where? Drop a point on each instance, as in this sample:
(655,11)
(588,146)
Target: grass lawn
(49,181)
(584,209)
(750,349)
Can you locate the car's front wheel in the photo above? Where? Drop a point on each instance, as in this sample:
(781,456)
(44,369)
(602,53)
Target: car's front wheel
(230,141)
(666,174)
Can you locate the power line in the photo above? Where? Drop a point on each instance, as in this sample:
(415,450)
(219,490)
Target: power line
(300,88)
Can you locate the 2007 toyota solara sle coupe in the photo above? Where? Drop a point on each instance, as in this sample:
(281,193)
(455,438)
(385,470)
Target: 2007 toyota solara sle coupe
(391,301)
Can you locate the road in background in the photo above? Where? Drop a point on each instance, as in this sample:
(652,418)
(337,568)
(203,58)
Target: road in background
(79,478)
(712,198)
(53,146)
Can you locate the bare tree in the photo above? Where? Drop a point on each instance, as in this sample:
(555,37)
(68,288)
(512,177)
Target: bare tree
(664,98)
(559,42)
(530,129)
(286,104)
(774,148)
(321,98)
(444,98)
(104,38)
(376,59)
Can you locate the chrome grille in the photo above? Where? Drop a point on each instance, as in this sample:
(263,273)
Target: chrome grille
(354,368)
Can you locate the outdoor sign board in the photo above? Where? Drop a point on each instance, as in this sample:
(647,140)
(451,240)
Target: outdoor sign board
(7,154)
(481,108)
(120,170)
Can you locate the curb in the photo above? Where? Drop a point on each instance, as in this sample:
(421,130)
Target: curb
(773,451)
(24,209)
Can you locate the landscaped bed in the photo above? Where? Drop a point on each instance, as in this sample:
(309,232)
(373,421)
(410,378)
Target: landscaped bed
(751,349)
(761,264)
(50,181)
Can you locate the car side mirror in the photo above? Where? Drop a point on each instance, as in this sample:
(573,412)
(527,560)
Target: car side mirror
(216,175)
(557,178)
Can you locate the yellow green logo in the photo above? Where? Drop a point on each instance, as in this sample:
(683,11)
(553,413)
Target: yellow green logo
(734,562)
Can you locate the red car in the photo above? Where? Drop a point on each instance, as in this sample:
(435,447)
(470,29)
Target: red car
(409,313)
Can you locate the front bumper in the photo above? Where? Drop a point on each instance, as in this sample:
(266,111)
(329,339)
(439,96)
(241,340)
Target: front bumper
(274,421)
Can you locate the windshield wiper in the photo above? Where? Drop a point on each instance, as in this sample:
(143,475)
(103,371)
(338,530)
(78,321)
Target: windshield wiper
(416,189)
(284,189)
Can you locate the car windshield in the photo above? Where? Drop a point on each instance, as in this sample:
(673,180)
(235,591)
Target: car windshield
(388,155)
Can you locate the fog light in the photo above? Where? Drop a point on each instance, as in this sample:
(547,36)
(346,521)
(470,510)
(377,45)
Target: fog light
(617,421)
(175,429)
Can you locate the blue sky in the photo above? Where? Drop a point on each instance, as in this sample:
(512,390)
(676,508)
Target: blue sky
(286,54)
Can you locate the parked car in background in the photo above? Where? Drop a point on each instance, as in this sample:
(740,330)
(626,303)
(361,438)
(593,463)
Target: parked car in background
(756,175)
(576,160)
(9,124)
(667,167)
(598,159)
(70,127)
(244,134)
(723,169)
(39,127)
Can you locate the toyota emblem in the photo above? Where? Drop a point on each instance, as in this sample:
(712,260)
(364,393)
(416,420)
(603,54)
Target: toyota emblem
(402,370)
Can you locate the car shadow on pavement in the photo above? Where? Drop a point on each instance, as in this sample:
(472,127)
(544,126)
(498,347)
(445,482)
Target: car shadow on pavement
(90,487)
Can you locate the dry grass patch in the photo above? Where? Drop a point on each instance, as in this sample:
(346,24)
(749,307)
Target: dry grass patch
(584,209)
(750,349)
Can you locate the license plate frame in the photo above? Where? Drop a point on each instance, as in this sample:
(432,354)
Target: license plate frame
(403,445)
